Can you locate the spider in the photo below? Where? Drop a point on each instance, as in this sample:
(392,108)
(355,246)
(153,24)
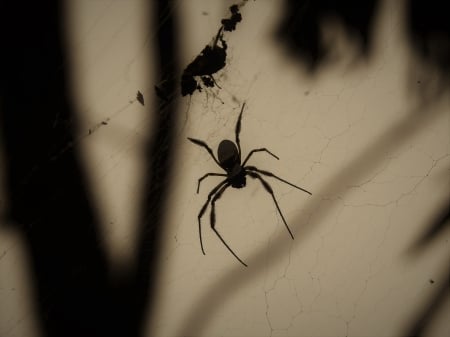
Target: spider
(229,159)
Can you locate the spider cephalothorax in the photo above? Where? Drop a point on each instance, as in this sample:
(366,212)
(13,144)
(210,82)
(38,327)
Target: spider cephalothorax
(229,159)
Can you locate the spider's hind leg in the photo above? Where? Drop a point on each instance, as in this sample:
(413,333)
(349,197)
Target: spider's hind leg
(208,175)
(203,209)
(213,221)
(269,190)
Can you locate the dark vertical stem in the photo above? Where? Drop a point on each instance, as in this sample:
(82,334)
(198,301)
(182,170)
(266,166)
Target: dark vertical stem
(45,183)
(47,194)
(159,155)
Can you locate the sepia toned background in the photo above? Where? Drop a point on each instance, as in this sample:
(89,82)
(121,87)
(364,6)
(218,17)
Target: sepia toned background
(367,134)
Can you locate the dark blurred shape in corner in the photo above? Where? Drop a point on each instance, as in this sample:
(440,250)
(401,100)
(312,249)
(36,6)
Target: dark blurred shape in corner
(300,29)
(429,33)
(427,22)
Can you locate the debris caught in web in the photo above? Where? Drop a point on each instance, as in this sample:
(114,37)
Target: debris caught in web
(140,97)
(199,73)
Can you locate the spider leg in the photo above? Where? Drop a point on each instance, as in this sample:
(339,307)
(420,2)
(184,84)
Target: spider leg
(213,221)
(258,150)
(238,130)
(207,175)
(203,209)
(269,174)
(214,81)
(203,144)
(218,36)
(269,189)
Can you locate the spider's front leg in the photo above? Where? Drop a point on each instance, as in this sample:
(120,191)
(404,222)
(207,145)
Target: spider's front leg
(208,175)
(238,130)
(258,150)
(207,148)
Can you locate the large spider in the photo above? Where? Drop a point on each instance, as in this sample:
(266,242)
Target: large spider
(229,159)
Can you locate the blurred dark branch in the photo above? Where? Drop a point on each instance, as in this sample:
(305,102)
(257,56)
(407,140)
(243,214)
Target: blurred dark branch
(77,295)
(429,34)
(424,318)
(428,312)
(159,155)
(435,228)
(301,27)
(46,187)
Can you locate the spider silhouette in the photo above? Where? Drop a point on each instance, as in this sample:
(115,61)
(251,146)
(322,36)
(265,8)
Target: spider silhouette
(229,159)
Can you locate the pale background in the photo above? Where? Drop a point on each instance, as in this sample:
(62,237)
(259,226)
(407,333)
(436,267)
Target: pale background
(374,155)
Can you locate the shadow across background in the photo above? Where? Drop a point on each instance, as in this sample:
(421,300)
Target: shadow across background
(77,293)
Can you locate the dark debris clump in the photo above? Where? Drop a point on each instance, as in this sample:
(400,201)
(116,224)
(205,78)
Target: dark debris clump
(230,24)
(140,97)
(210,60)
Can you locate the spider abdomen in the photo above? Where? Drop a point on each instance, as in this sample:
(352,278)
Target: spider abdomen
(228,155)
